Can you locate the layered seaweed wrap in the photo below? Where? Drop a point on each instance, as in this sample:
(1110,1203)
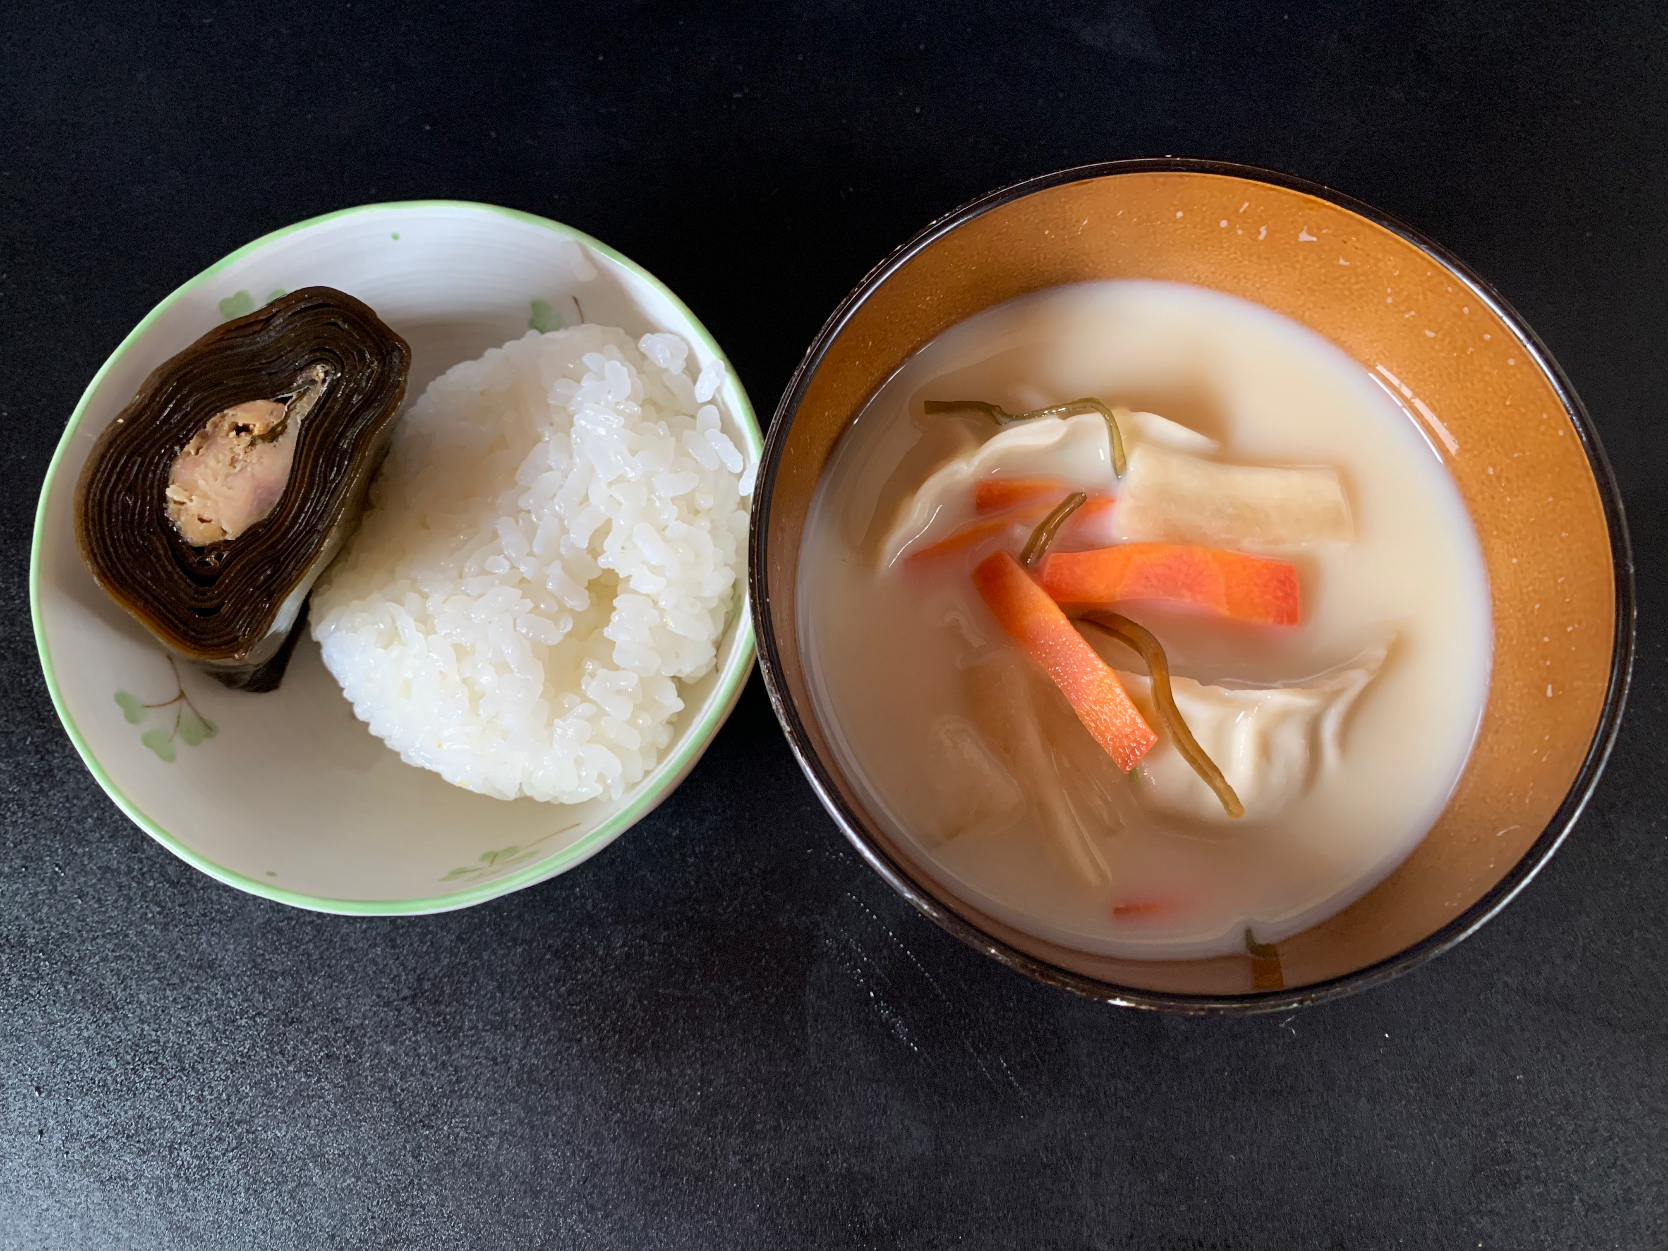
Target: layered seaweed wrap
(215,499)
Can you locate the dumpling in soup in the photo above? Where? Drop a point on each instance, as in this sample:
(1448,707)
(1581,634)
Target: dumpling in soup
(1065,453)
(1075,451)
(1268,741)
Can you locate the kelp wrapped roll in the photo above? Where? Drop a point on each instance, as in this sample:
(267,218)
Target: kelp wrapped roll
(220,493)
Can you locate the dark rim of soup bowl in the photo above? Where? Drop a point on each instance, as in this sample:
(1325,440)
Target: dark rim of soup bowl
(1462,926)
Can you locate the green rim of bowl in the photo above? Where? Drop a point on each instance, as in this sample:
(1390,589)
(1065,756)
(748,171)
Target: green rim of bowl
(667,775)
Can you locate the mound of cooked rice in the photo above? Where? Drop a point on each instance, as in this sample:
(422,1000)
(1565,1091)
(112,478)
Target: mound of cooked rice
(553,544)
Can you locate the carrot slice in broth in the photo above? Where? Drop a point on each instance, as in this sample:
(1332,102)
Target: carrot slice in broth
(971,536)
(1033,620)
(1241,587)
(992,495)
(962,540)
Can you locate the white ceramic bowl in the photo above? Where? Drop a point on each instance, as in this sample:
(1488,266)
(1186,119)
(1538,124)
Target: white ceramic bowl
(291,797)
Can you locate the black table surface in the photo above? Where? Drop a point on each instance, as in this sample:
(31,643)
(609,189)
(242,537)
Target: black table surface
(725,1031)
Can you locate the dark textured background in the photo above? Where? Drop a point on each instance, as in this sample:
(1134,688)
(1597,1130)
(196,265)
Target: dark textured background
(725,1031)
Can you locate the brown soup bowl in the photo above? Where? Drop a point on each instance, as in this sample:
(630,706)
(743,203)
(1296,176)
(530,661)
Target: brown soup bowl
(1466,369)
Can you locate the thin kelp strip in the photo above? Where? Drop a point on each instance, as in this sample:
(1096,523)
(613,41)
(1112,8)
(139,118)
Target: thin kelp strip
(1266,970)
(1037,545)
(1140,639)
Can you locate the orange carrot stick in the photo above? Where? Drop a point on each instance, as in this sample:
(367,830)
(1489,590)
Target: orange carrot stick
(1131,909)
(963,539)
(1035,622)
(1245,588)
(1097,505)
(976,533)
(992,495)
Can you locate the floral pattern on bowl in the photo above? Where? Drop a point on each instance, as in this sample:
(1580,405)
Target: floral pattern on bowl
(190,726)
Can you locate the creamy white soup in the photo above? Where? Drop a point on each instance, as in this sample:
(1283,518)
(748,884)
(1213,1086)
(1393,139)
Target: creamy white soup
(1234,486)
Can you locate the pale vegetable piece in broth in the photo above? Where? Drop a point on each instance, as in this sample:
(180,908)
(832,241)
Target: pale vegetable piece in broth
(975,792)
(1269,742)
(1004,697)
(1171,497)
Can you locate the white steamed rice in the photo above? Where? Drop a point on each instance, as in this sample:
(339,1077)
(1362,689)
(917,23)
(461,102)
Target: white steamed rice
(553,545)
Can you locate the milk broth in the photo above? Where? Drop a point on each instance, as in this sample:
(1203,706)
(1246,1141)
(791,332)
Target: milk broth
(886,652)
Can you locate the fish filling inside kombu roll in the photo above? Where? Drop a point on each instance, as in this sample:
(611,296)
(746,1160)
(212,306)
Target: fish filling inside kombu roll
(234,471)
(219,494)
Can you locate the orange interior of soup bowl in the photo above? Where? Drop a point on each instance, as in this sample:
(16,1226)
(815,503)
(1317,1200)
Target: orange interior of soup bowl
(1464,368)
